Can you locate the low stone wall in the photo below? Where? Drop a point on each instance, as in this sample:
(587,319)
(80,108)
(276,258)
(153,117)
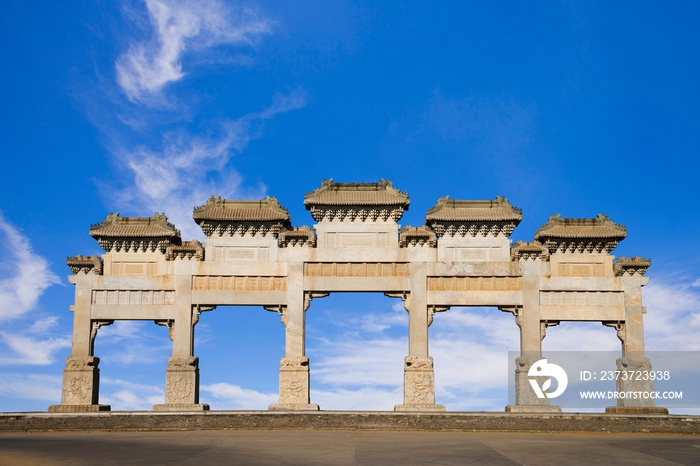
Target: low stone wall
(348,420)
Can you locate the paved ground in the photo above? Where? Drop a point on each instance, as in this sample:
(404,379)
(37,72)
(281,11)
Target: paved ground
(341,448)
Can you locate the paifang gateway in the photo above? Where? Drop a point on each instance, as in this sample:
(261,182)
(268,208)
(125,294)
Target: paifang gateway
(253,256)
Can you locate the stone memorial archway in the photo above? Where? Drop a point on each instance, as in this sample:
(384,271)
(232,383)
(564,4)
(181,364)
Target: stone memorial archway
(252,255)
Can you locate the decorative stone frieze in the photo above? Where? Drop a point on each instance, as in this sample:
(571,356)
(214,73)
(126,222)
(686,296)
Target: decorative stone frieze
(475,283)
(417,237)
(528,251)
(85,265)
(238,283)
(580,235)
(135,297)
(631,266)
(356,269)
(188,250)
(297,236)
(356,202)
(222,217)
(135,234)
(488,218)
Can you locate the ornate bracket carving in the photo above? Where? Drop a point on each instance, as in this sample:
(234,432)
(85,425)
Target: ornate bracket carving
(95,326)
(404,295)
(620,327)
(517,311)
(281,310)
(543,327)
(310,295)
(167,323)
(433,309)
(197,309)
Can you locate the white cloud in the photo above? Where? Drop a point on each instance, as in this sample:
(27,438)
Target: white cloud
(26,275)
(179,26)
(127,342)
(38,387)
(672,322)
(31,351)
(227,396)
(190,168)
(124,395)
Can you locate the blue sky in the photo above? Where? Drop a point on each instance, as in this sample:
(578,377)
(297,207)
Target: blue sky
(563,107)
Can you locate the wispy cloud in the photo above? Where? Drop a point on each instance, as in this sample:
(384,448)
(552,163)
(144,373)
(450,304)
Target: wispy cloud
(126,342)
(39,387)
(188,168)
(31,351)
(672,322)
(26,275)
(179,26)
(124,395)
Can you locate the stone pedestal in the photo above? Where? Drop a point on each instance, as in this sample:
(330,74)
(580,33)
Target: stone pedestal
(294,385)
(81,386)
(418,385)
(641,405)
(526,400)
(182,386)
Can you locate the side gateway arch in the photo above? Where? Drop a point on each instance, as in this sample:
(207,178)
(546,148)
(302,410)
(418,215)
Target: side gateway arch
(253,256)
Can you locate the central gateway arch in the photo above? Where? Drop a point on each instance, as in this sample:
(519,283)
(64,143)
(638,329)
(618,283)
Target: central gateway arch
(253,256)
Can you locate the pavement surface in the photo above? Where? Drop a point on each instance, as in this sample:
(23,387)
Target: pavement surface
(344,448)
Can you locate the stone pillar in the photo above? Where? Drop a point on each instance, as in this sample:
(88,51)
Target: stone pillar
(528,319)
(81,376)
(294,366)
(418,376)
(631,333)
(182,374)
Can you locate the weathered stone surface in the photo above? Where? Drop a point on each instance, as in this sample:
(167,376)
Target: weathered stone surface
(253,256)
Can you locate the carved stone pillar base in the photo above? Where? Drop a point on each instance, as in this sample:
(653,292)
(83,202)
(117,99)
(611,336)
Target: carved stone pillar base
(78,408)
(180,407)
(81,386)
(521,409)
(629,365)
(525,395)
(294,385)
(181,384)
(418,385)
